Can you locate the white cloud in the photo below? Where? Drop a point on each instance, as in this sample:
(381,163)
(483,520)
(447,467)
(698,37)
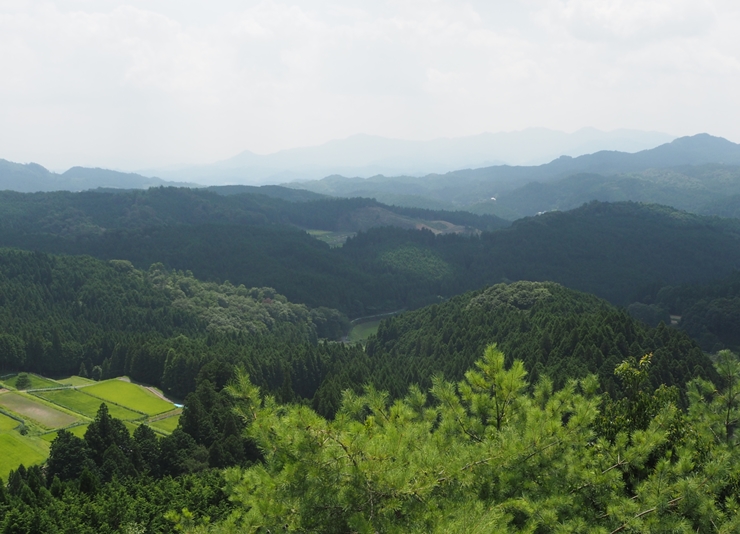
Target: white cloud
(630,21)
(143,83)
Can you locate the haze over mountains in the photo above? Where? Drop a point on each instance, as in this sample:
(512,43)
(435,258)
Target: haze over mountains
(32,177)
(700,174)
(367,155)
(517,191)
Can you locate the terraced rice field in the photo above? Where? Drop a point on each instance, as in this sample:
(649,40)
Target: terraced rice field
(80,402)
(75,381)
(53,409)
(37,382)
(34,409)
(17,450)
(166,425)
(7,423)
(130,395)
(78,431)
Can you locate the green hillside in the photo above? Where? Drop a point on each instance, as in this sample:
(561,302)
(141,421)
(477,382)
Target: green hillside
(611,250)
(159,327)
(554,331)
(473,189)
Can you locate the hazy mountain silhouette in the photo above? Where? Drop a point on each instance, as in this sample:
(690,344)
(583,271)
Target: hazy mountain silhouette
(367,155)
(467,187)
(32,177)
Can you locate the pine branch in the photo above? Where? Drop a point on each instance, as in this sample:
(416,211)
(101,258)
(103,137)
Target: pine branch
(642,514)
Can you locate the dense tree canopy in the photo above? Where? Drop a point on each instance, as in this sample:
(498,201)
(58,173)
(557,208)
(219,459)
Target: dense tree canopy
(612,250)
(488,454)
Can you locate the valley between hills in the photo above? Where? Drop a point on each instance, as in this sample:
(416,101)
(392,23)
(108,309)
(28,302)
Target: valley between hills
(548,348)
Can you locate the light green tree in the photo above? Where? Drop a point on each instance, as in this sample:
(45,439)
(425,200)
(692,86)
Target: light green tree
(489,454)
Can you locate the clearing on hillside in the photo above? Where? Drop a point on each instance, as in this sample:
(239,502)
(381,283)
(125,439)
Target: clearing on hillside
(80,402)
(7,423)
(167,425)
(17,450)
(333,239)
(361,331)
(34,409)
(130,395)
(37,382)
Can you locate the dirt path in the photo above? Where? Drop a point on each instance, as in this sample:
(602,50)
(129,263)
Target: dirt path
(158,393)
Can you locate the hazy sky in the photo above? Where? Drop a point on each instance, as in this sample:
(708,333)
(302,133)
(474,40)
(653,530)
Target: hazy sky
(132,84)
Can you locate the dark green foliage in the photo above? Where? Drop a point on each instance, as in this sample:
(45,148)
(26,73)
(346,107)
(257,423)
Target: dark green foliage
(97,373)
(87,506)
(709,313)
(72,314)
(68,457)
(106,433)
(555,331)
(23,381)
(111,480)
(492,453)
(90,213)
(650,314)
(208,417)
(612,250)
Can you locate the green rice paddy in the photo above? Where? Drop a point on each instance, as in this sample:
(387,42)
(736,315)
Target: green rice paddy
(75,381)
(17,449)
(78,431)
(130,395)
(7,423)
(53,409)
(166,425)
(37,382)
(78,401)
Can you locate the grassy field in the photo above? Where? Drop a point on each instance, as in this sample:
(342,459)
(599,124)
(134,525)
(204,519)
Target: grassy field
(333,239)
(17,449)
(78,431)
(7,423)
(80,402)
(75,381)
(36,410)
(361,331)
(130,395)
(37,382)
(167,425)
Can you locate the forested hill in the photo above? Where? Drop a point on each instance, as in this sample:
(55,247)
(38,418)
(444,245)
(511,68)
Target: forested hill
(617,251)
(163,328)
(275,191)
(156,326)
(470,186)
(33,177)
(704,189)
(555,331)
(709,313)
(94,212)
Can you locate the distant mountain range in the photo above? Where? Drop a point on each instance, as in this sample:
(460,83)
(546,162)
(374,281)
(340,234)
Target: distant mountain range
(700,174)
(31,178)
(670,173)
(367,155)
